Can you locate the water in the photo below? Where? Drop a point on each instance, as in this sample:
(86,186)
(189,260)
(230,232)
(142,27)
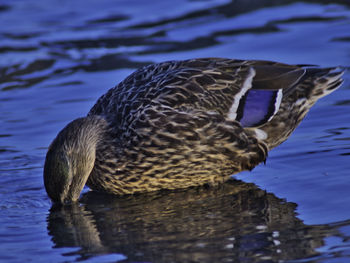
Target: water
(58,57)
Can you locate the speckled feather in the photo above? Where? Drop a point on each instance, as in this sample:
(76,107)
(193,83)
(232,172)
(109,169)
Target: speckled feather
(172,125)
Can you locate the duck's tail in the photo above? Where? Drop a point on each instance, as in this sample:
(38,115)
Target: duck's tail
(318,82)
(315,84)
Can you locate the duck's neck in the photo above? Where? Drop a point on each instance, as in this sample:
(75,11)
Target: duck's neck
(71,157)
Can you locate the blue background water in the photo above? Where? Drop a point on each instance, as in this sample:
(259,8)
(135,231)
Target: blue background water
(58,57)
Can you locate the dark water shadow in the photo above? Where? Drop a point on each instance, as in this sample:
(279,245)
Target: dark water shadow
(236,222)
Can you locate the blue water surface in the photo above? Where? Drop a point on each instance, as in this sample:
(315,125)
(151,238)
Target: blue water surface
(58,57)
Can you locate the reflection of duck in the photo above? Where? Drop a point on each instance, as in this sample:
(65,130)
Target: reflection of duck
(236,222)
(183,123)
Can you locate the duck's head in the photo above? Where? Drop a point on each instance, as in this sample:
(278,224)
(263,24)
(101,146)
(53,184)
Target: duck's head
(70,159)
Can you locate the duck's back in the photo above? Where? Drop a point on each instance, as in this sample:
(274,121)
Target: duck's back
(207,84)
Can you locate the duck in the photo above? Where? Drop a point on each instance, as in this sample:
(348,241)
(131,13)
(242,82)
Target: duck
(181,124)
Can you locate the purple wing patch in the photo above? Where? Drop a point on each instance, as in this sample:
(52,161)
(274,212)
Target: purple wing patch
(258,106)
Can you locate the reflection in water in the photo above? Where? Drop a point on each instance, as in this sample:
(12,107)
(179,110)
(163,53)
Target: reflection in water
(236,222)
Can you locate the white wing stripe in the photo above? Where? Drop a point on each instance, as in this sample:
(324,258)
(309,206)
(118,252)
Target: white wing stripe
(277,102)
(247,84)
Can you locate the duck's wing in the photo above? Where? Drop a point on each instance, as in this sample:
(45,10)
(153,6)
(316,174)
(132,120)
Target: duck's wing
(272,81)
(246,91)
(274,76)
(241,90)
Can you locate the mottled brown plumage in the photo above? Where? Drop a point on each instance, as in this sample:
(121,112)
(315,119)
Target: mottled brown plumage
(179,124)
